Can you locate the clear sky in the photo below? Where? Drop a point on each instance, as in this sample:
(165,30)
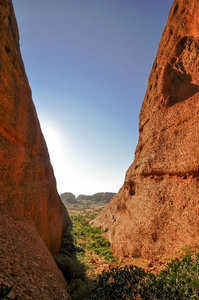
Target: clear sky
(88,63)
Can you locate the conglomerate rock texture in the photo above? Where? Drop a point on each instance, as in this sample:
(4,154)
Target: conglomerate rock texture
(32,215)
(157,209)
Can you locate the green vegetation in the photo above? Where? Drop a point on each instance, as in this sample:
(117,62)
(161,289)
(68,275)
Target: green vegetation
(67,260)
(88,238)
(79,286)
(86,244)
(180,280)
(119,283)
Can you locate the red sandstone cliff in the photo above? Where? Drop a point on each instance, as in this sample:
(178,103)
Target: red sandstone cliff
(31,212)
(157,209)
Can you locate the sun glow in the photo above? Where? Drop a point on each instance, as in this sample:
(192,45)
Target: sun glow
(74,174)
(59,155)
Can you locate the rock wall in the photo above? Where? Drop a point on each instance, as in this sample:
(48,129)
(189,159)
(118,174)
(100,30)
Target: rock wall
(28,195)
(26,264)
(156,210)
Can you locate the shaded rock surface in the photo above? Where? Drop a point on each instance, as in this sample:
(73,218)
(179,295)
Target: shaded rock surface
(156,210)
(32,216)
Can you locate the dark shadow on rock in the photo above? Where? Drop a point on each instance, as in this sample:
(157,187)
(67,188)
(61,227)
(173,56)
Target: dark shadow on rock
(177,85)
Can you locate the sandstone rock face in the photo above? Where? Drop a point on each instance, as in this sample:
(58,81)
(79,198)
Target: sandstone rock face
(28,195)
(27,265)
(156,210)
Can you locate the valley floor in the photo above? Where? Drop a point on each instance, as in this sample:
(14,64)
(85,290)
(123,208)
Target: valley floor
(128,278)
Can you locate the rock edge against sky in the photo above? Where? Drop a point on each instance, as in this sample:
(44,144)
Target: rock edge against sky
(156,210)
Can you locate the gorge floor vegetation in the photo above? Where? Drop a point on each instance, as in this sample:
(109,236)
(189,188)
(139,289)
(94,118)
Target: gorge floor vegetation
(89,240)
(84,247)
(179,281)
(81,246)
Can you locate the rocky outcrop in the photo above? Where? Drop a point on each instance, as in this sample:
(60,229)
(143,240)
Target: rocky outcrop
(156,210)
(31,212)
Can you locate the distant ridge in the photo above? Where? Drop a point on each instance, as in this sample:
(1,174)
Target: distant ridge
(86,202)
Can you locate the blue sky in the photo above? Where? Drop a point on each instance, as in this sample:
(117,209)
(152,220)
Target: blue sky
(88,63)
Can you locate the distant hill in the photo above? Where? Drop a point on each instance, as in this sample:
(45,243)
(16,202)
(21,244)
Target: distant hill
(68,198)
(86,202)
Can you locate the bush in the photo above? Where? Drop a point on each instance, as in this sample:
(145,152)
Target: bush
(5,291)
(180,280)
(80,289)
(118,283)
(70,267)
(67,246)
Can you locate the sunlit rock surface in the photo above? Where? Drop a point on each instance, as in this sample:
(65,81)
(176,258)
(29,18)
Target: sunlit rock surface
(156,210)
(31,213)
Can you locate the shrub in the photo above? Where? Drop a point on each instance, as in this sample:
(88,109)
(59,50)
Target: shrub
(67,246)
(80,289)
(118,283)
(180,280)
(70,267)
(5,291)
